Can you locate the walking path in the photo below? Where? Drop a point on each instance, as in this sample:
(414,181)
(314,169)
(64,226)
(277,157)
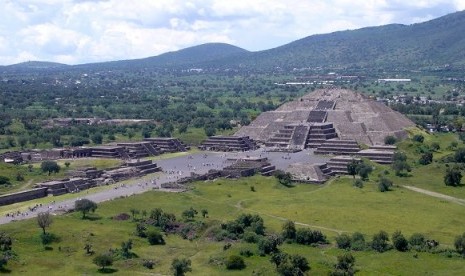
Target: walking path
(438,195)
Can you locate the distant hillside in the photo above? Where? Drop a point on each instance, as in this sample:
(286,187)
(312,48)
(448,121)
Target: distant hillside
(438,42)
(36,65)
(187,58)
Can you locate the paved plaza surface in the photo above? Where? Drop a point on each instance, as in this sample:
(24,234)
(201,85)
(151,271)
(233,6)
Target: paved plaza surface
(173,169)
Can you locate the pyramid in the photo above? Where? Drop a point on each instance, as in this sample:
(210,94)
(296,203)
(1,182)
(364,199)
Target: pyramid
(328,114)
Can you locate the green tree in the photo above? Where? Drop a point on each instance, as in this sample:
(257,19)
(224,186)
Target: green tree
(453,177)
(364,170)
(180,266)
(44,220)
(204,213)
(358,242)
(50,166)
(85,206)
(399,241)
(103,261)
(417,241)
(126,249)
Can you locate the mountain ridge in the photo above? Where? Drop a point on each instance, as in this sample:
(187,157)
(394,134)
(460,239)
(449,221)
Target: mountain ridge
(437,42)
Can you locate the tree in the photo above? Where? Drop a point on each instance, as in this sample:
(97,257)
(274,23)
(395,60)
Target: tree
(390,140)
(459,244)
(399,166)
(85,206)
(399,241)
(44,219)
(235,262)
(384,184)
(180,266)
(283,178)
(50,166)
(289,230)
(209,131)
(103,260)
(290,265)
(379,242)
(453,177)
(67,164)
(417,241)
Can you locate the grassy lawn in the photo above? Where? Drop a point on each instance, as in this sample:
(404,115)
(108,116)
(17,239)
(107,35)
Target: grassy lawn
(333,207)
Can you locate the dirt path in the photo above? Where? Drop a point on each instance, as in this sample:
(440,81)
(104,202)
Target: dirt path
(438,195)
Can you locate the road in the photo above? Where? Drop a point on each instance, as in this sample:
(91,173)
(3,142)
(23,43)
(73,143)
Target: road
(438,195)
(173,169)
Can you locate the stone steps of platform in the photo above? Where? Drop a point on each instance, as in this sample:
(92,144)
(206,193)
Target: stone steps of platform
(151,170)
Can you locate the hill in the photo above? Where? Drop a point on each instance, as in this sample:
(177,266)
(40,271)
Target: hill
(435,43)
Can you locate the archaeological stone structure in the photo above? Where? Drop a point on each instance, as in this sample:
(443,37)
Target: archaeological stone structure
(327,114)
(228,143)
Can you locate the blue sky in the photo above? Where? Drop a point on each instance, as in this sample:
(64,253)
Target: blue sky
(83,31)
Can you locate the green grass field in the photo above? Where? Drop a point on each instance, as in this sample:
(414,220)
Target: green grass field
(333,208)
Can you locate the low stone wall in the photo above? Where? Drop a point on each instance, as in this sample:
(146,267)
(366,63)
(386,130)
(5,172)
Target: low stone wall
(23,196)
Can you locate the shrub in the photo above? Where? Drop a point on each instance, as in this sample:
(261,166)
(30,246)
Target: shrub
(246,253)
(418,138)
(307,236)
(155,237)
(426,158)
(343,241)
(235,263)
(358,183)
(417,241)
(399,241)
(384,184)
(148,264)
(358,242)
(390,140)
(379,242)
(4,180)
(459,244)
(453,177)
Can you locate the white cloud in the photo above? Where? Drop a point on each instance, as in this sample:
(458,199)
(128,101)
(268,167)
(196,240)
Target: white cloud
(78,31)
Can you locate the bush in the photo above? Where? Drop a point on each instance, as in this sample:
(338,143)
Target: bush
(399,241)
(246,253)
(390,140)
(4,180)
(155,237)
(459,244)
(453,177)
(384,184)
(358,183)
(418,138)
(417,241)
(358,242)
(343,241)
(308,237)
(148,264)
(250,237)
(235,263)
(379,242)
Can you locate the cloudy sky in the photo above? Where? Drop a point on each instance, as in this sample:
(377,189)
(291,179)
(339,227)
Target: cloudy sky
(82,31)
